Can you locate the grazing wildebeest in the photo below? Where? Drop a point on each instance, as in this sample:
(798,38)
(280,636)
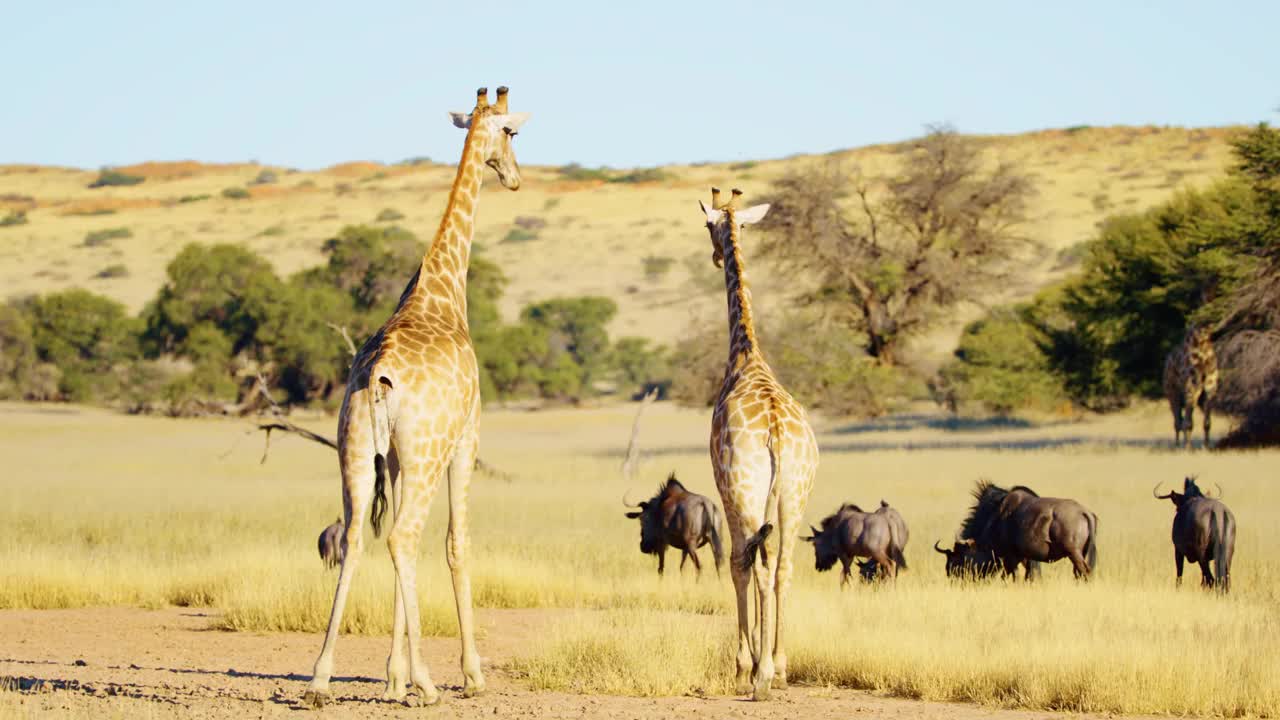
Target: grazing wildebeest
(1203,530)
(330,544)
(966,561)
(850,532)
(678,518)
(1020,527)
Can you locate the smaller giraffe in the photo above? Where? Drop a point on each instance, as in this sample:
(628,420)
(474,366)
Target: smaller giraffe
(1190,379)
(764,456)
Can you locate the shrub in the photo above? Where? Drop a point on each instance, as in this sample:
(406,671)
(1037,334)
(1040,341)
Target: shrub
(113,271)
(531,223)
(273,231)
(194,198)
(389,215)
(577,173)
(97,238)
(415,160)
(235,193)
(115,178)
(655,267)
(740,166)
(644,175)
(15,217)
(1000,365)
(266,177)
(519,235)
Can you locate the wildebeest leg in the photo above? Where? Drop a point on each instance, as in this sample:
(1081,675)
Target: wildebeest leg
(684,555)
(844,573)
(662,561)
(1178,559)
(1010,567)
(1206,575)
(884,564)
(1078,565)
(697,564)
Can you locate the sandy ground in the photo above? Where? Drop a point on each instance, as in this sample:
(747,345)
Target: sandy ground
(107,662)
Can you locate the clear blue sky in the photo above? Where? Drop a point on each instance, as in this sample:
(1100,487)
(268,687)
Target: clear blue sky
(308,84)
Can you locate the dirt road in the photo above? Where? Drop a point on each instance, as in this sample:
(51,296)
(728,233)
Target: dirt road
(110,662)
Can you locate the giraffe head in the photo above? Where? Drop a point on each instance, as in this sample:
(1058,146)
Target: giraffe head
(725,218)
(493,127)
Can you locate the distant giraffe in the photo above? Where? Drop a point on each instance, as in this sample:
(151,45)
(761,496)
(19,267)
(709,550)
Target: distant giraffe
(411,415)
(764,455)
(1190,379)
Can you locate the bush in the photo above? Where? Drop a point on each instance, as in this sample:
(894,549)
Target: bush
(576,173)
(266,177)
(519,235)
(389,215)
(113,271)
(97,238)
(235,193)
(115,178)
(531,223)
(85,336)
(656,267)
(15,217)
(1000,365)
(644,175)
(194,198)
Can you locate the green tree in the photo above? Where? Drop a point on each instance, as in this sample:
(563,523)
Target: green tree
(372,264)
(578,326)
(17,351)
(1000,364)
(85,336)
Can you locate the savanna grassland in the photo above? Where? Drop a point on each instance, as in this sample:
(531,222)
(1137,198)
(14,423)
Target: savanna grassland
(640,237)
(109,510)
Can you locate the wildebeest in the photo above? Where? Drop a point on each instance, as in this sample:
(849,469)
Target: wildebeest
(1020,527)
(330,544)
(680,519)
(850,532)
(966,561)
(1203,530)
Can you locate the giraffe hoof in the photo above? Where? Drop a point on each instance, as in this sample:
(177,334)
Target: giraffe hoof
(743,687)
(394,694)
(424,697)
(316,699)
(779,682)
(761,693)
(470,691)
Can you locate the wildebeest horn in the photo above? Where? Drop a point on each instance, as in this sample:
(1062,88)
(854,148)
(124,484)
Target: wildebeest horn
(1219,495)
(935,547)
(1160,497)
(626,495)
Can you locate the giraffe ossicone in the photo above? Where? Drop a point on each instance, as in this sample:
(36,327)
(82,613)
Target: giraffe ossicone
(411,417)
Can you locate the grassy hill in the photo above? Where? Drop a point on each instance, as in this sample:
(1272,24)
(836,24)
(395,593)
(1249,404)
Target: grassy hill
(641,242)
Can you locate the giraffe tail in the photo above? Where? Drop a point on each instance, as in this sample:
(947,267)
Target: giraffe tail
(755,543)
(380,416)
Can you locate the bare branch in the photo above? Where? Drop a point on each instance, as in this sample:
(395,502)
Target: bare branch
(631,463)
(342,330)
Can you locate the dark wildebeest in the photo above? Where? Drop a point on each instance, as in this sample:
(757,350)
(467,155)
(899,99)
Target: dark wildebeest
(850,532)
(330,544)
(966,561)
(1020,527)
(1203,530)
(678,518)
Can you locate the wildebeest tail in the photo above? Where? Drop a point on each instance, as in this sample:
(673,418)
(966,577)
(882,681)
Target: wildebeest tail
(1219,533)
(755,543)
(380,416)
(1091,545)
(712,519)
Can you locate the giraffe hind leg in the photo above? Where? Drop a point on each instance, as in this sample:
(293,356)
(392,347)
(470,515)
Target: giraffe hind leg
(456,546)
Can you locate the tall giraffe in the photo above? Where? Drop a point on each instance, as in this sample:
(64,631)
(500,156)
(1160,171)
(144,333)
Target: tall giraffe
(412,412)
(1190,379)
(764,455)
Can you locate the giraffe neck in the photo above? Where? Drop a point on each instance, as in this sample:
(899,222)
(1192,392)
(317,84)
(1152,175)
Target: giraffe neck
(441,289)
(742,329)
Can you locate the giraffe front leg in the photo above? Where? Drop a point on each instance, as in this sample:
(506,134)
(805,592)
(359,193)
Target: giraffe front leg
(460,470)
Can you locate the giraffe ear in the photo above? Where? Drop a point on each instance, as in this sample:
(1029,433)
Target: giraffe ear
(461,120)
(752,214)
(713,216)
(510,121)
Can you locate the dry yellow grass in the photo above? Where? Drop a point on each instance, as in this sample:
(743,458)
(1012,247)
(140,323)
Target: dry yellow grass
(105,509)
(596,235)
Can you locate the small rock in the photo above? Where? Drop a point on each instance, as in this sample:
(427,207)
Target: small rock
(80,663)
